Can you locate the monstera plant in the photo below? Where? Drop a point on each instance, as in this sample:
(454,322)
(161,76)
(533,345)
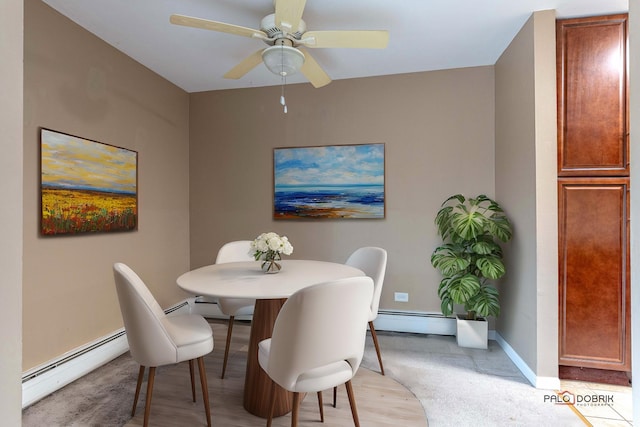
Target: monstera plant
(470,257)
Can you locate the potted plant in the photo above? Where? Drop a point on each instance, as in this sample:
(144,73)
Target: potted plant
(469,259)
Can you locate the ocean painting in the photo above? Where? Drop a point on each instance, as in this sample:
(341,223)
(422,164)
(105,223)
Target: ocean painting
(86,186)
(336,181)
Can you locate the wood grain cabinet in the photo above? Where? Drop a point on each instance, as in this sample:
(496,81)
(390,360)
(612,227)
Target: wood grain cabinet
(593,192)
(592,103)
(594,274)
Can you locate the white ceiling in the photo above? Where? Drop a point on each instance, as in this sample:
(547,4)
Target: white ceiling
(424,35)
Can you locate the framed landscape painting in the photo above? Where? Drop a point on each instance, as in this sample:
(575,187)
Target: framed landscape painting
(86,186)
(335,181)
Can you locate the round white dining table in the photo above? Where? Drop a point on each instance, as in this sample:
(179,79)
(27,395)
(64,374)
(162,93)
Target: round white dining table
(247,280)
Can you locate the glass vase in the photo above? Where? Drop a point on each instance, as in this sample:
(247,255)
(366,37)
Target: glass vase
(271,266)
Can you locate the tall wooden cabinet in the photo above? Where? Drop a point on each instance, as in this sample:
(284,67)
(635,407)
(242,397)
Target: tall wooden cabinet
(593,191)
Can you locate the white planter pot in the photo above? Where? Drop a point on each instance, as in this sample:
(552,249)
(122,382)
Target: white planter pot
(472,333)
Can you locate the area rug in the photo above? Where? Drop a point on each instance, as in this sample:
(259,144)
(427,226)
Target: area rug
(105,396)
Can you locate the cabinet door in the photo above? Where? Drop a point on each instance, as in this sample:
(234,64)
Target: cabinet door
(592,96)
(594,276)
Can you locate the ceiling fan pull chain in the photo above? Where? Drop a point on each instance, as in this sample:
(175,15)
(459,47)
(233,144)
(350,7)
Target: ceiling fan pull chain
(283,76)
(283,102)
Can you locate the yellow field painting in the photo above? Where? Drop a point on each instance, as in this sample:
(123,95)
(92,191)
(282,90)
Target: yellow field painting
(86,186)
(81,211)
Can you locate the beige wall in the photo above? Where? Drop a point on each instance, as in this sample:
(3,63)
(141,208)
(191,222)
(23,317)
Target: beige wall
(546,160)
(526,183)
(432,124)
(76,83)
(11,211)
(206,176)
(438,128)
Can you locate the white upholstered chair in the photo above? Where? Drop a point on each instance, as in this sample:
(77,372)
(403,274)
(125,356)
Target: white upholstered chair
(156,339)
(373,261)
(318,340)
(232,307)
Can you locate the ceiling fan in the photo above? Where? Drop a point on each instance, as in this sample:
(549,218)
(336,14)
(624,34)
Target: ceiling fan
(286,34)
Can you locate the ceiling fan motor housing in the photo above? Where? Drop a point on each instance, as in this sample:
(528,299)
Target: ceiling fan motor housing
(268,25)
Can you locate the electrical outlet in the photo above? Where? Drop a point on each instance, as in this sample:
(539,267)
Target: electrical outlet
(401,296)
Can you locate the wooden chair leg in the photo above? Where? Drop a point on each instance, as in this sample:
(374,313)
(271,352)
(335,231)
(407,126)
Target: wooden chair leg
(272,402)
(375,343)
(320,406)
(147,404)
(135,399)
(335,396)
(205,389)
(226,349)
(193,386)
(294,410)
(352,403)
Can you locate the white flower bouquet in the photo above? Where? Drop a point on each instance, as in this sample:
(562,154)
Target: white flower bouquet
(269,248)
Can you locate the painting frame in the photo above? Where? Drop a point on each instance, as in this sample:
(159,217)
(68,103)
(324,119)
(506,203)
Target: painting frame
(86,186)
(329,182)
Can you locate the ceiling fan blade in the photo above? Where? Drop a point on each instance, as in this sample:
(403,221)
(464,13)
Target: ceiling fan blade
(246,65)
(355,39)
(206,24)
(313,71)
(288,14)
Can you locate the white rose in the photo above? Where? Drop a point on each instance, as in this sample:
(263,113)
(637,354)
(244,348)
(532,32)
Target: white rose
(274,244)
(262,246)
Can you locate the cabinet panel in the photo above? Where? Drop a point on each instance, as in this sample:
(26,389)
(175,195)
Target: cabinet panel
(592,96)
(594,278)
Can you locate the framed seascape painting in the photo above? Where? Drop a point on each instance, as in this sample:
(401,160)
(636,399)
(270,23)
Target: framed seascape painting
(335,181)
(86,186)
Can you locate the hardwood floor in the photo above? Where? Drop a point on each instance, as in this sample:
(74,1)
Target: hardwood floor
(381,400)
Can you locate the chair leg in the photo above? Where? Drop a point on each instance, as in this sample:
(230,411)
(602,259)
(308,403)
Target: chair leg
(226,349)
(375,342)
(320,406)
(352,403)
(205,389)
(272,402)
(294,410)
(147,405)
(335,396)
(135,399)
(193,386)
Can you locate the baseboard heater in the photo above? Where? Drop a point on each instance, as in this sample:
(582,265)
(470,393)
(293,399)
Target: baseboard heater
(415,322)
(387,320)
(209,308)
(68,358)
(44,379)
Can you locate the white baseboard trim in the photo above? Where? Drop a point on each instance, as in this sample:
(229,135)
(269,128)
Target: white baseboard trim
(437,324)
(50,376)
(545,383)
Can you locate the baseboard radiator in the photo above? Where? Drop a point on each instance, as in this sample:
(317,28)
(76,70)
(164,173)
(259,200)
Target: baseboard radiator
(387,320)
(44,379)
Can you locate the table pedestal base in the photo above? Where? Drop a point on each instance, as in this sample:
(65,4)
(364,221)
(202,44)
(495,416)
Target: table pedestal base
(257,384)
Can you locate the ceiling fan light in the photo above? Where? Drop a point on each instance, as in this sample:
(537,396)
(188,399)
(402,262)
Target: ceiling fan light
(283,60)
